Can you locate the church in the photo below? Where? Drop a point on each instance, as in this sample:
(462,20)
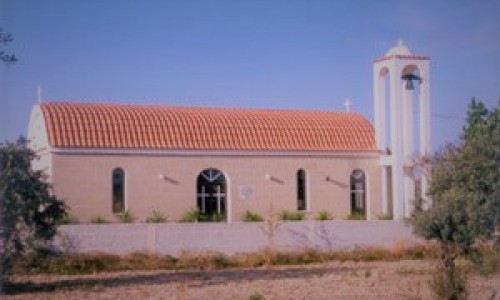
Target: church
(103,159)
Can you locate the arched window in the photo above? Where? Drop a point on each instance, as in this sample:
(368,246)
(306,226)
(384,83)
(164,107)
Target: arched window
(301,190)
(358,192)
(118,180)
(211,197)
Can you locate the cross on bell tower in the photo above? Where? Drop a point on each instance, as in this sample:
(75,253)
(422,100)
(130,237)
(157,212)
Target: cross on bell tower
(405,71)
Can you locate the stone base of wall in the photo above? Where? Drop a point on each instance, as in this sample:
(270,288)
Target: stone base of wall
(174,238)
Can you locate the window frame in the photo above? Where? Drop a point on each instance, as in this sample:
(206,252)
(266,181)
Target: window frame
(121,206)
(302,193)
(212,175)
(354,190)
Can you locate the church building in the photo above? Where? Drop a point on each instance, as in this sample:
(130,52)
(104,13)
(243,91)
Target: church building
(103,159)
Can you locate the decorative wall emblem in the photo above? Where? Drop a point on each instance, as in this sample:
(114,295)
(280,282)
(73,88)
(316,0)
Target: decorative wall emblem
(246,192)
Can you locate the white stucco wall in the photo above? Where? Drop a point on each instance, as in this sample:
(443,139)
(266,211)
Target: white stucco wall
(84,183)
(39,142)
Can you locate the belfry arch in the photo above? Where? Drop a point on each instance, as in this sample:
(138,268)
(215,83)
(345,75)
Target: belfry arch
(405,72)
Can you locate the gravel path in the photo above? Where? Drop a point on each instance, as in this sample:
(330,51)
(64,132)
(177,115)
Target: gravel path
(335,280)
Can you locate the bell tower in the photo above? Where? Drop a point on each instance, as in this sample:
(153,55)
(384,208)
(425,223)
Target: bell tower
(403,76)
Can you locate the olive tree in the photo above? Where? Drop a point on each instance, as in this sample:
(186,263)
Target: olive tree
(465,191)
(30,212)
(5,39)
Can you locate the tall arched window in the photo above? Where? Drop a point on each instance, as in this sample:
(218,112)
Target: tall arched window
(211,197)
(358,192)
(118,190)
(301,190)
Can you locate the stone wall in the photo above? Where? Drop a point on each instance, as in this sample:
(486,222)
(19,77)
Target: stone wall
(173,238)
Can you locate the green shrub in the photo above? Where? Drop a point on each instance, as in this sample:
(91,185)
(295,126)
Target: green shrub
(324,216)
(450,283)
(125,217)
(156,217)
(98,220)
(250,216)
(216,217)
(385,216)
(291,216)
(67,219)
(190,216)
(221,261)
(256,296)
(356,216)
(490,260)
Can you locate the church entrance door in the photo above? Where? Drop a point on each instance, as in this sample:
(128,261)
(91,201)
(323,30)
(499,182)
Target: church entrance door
(211,195)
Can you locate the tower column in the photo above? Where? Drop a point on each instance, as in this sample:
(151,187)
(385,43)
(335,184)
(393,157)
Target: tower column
(379,106)
(397,145)
(409,180)
(425,127)
(383,188)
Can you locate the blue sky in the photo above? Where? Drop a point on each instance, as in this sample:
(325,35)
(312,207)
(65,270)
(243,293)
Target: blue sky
(259,54)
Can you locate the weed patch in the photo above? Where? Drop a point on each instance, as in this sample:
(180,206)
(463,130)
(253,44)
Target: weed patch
(323,216)
(156,217)
(98,220)
(100,262)
(125,217)
(291,215)
(250,216)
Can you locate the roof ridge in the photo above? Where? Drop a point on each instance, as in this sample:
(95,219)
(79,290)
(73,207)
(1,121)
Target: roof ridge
(200,107)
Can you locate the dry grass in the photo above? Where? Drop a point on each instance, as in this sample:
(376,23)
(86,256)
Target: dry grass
(401,273)
(101,262)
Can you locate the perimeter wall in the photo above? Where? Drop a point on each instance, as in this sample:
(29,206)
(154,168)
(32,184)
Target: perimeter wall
(238,237)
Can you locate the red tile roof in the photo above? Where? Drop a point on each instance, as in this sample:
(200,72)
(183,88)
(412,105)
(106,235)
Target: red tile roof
(78,125)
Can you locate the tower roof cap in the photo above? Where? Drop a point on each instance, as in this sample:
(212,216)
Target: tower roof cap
(399,49)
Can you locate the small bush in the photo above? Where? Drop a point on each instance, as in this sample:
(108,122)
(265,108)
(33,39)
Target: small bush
(67,219)
(324,216)
(356,216)
(250,216)
(291,216)
(190,216)
(98,220)
(449,283)
(256,296)
(221,261)
(385,217)
(489,262)
(216,217)
(125,217)
(156,217)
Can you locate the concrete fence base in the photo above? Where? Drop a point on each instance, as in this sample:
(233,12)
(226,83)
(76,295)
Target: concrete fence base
(174,238)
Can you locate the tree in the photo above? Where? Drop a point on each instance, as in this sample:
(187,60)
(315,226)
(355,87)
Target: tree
(30,211)
(465,189)
(6,38)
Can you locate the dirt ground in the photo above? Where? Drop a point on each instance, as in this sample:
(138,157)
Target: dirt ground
(335,280)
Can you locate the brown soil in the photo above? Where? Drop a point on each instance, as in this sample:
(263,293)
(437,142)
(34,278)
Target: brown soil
(335,280)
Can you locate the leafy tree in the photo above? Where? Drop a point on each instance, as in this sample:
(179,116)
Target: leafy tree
(6,38)
(465,190)
(30,212)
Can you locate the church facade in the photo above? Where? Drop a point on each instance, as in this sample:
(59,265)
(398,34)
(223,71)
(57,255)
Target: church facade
(103,159)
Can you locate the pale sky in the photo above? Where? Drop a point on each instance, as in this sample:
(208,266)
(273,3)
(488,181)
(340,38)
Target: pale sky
(274,54)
